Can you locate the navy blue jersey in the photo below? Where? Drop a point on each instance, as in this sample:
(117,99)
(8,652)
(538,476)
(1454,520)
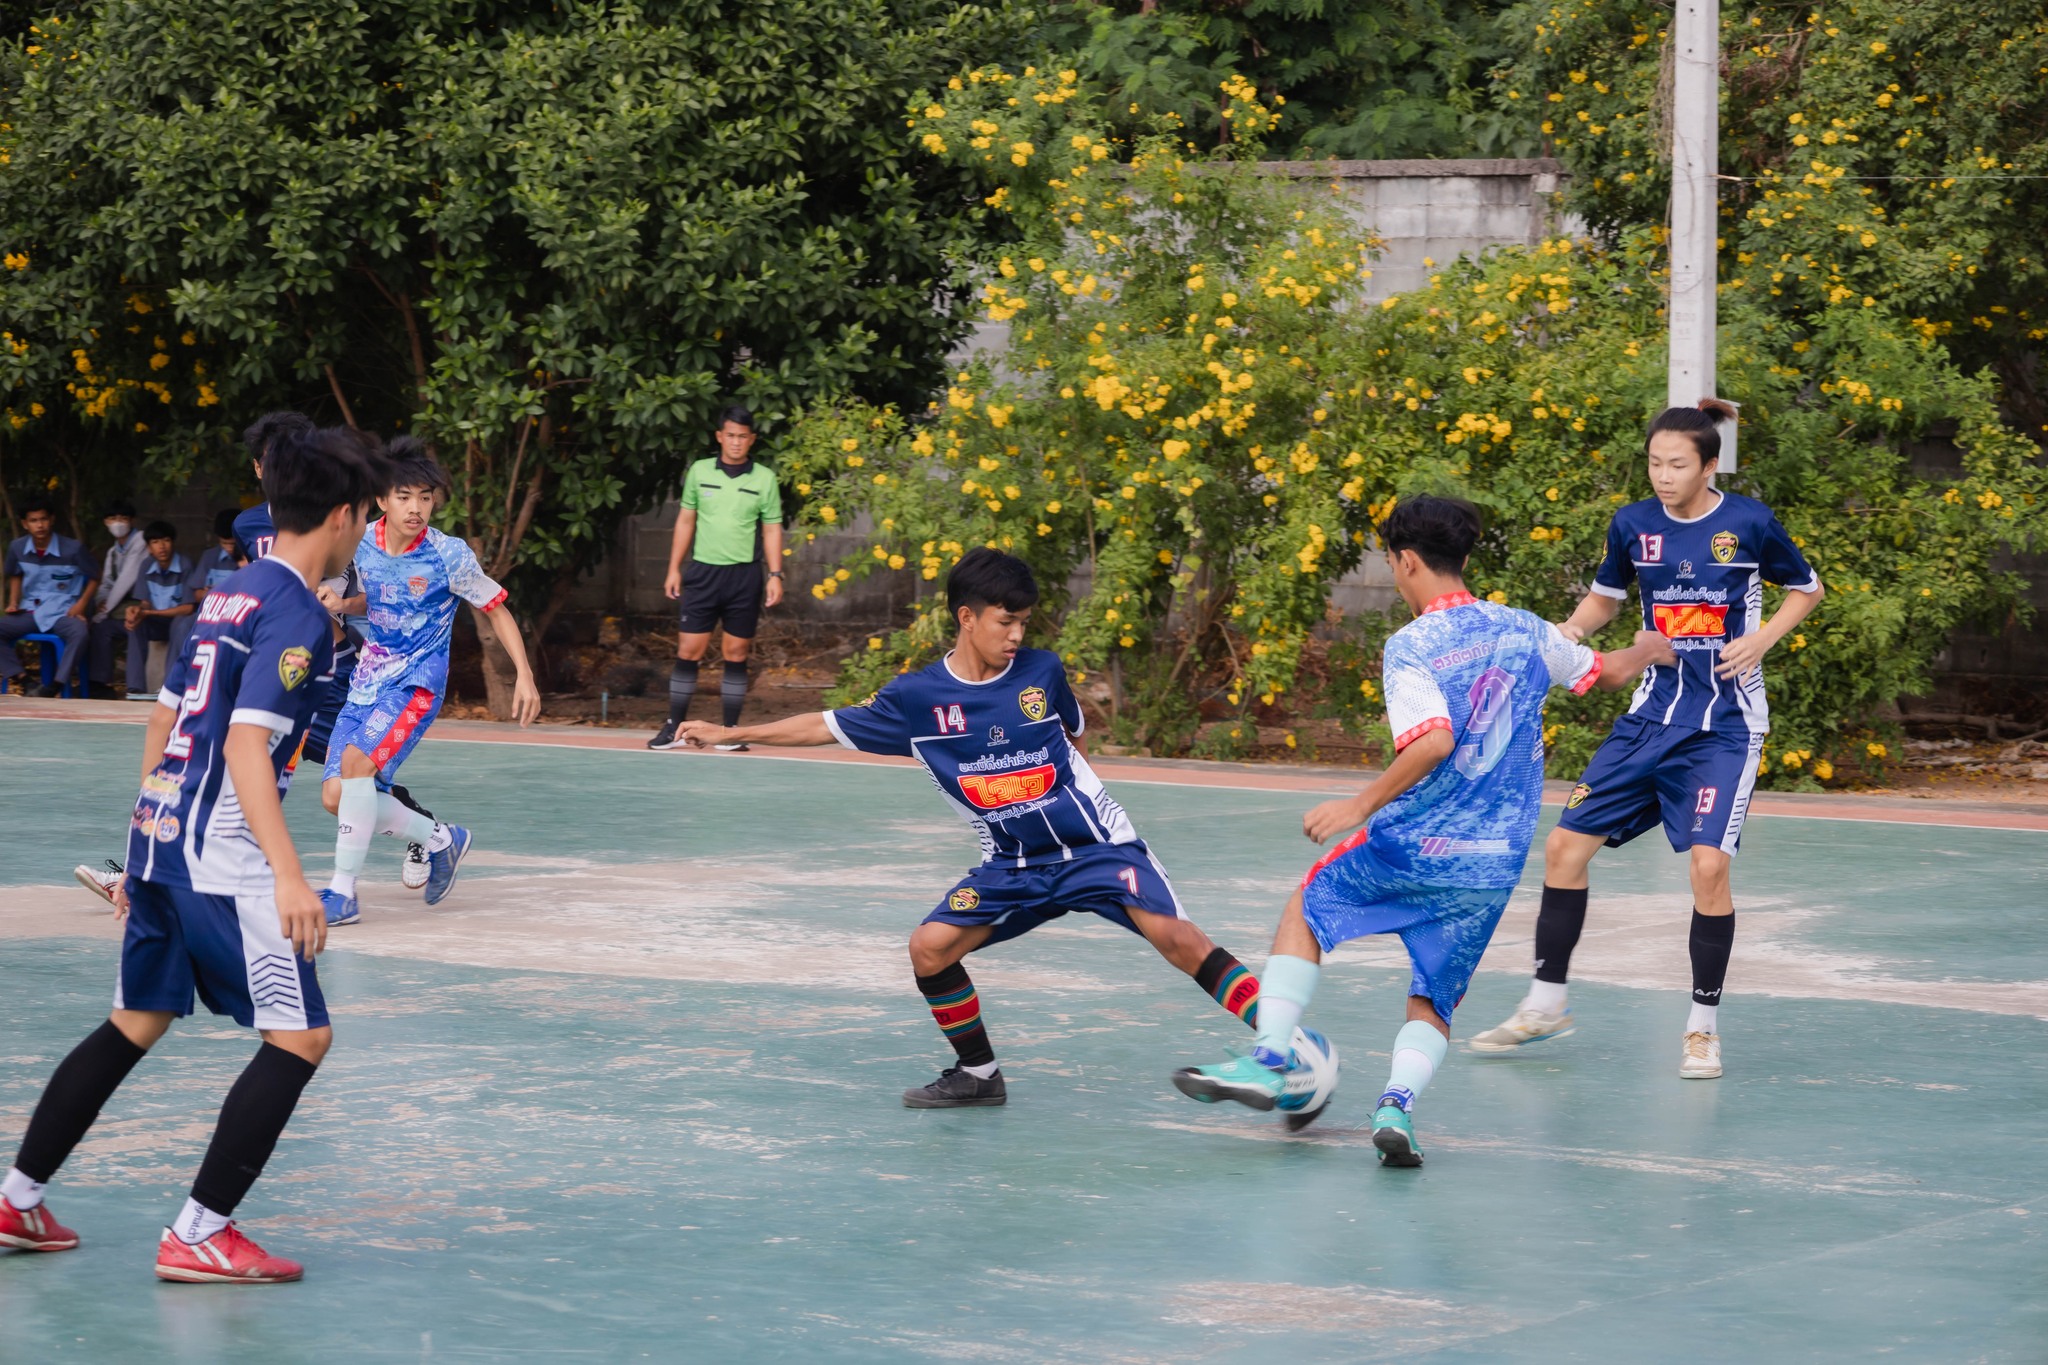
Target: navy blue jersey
(261,653)
(1702,584)
(999,752)
(254,533)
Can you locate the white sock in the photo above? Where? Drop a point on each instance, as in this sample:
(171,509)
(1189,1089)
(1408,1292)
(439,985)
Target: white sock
(18,1190)
(1545,997)
(395,817)
(355,820)
(1285,988)
(438,840)
(196,1222)
(1702,1018)
(982,1072)
(1418,1051)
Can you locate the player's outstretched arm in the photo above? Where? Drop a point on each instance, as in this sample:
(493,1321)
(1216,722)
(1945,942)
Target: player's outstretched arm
(1409,767)
(792,732)
(1620,668)
(1590,616)
(299,913)
(1739,656)
(525,696)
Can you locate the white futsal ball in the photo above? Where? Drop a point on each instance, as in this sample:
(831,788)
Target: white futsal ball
(1311,1081)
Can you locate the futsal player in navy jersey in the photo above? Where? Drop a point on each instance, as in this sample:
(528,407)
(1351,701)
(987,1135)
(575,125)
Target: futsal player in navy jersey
(993,723)
(216,901)
(1686,754)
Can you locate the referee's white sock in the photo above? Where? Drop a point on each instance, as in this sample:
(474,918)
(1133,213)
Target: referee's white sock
(355,820)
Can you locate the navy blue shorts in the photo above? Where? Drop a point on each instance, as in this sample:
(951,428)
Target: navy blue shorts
(1696,783)
(229,949)
(1108,880)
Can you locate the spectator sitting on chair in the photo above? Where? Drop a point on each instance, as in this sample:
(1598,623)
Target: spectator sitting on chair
(50,579)
(166,611)
(120,578)
(222,560)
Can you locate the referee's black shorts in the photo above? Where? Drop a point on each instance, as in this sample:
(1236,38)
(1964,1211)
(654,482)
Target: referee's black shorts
(722,593)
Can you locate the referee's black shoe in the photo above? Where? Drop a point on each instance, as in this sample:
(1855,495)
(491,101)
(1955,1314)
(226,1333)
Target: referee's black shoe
(958,1089)
(665,737)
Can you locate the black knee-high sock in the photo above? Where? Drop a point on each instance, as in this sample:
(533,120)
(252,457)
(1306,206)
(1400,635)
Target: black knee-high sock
(1230,984)
(732,690)
(405,798)
(1559,921)
(1713,938)
(78,1090)
(254,1115)
(682,686)
(956,1008)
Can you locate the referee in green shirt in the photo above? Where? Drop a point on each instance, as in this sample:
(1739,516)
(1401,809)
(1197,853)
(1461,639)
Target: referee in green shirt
(725,499)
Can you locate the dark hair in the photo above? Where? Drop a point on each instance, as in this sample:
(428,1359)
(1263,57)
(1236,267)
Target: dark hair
(224,523)
(307,474)
(990,578)
(1696,422)
(412,466)
(33,503)
(265,430)
(117,507)
(736,414)
(159,530)
(1441,530)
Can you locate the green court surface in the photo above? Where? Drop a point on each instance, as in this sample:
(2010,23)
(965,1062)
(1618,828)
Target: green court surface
(632,1093)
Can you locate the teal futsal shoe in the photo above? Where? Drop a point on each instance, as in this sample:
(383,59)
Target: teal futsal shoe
(1241,1079)
(1394,1135)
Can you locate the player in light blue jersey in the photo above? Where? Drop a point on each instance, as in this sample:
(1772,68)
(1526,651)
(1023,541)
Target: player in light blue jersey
(413,579)
(1447,827)
(1686,754)
(994,725)
(215,899)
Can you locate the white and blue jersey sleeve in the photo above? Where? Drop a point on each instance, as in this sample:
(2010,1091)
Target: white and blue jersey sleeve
(1415,703)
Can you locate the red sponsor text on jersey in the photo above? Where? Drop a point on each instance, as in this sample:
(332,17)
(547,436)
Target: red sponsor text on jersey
(992,791)
(1691,620)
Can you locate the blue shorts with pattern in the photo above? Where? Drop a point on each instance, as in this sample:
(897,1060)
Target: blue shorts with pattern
(1109,880)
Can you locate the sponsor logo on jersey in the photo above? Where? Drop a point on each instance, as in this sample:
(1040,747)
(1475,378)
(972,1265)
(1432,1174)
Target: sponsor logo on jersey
(1685,568)
(293,665)
(1690,620)
(996,763)
(1032,702)
(228,606)
(992,791)
(418,584)
(1724,546)
(1578,796)
(163,784)
(996,735)
(1443,846)
(166,829)
(964,898)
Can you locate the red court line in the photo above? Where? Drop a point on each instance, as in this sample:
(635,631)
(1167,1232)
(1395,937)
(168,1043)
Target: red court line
(1944,812)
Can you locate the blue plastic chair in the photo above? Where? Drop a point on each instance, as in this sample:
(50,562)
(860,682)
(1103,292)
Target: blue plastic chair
(51,654)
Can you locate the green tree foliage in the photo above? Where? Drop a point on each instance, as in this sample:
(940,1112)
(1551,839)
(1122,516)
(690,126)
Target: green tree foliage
(1893,155)
(550,239)
(1360,80)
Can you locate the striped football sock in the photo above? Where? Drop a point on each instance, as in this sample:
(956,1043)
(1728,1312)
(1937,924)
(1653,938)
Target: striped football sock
(956,1008)
(1230,984)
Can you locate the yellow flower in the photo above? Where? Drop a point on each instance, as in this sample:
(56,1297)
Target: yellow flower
(934,111)
(850,443)
(1798,642)
(1823,769)
(874,642)
(1496,596)
(1876,750)
(827,515)
(934,144)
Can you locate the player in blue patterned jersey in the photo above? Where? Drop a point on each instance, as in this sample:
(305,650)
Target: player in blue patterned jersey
(413,580)
(1447,827)
(1686,754)
(215,899)
(993,724)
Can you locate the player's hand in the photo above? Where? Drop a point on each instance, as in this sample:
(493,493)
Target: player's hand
(131,617)
(121,901)
(525,701)
(1332,818)
(1740,656)
(301,917)
(774,592)
(672,586)
(701,734)
(329,599)
(1662,656)
(1571,632)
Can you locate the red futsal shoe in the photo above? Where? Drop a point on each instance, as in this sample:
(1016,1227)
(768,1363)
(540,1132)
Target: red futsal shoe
(227,1257)
(33,1229)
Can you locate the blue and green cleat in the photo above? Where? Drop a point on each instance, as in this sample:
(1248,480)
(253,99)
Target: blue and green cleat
(1394,1134)
(1242,1079)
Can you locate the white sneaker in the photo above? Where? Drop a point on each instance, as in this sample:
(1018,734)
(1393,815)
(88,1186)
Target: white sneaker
(102,881)
(1702,1060)
(414,872)
(1525,1026)
(729,748)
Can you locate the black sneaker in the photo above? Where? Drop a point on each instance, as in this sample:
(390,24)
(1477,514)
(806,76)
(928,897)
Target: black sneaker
(665,737)
(957,1089)
(49,689)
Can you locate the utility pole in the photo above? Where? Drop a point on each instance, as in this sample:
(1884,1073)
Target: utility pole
(1695,194)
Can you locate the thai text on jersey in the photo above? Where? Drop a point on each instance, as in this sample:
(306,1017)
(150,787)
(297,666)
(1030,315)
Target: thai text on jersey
(998,751)
(260,653)
(412,595)
(1702,584)
(1480,671)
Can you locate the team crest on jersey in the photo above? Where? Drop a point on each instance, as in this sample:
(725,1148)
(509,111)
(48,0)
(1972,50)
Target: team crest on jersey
(964,899)
(418,584)
(293,665)
(1724,546)
(1578,796)
(166,829)
(1032,701)
(868,700)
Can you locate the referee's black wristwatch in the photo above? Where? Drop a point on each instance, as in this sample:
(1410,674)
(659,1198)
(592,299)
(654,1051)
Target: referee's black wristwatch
(775,573)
